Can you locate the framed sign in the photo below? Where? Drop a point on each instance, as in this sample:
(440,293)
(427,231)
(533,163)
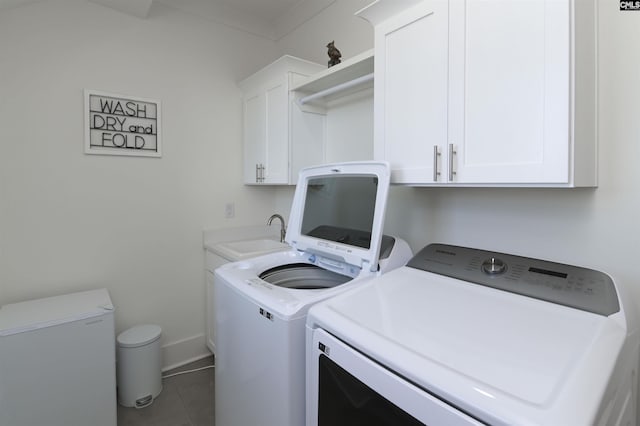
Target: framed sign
(121,125)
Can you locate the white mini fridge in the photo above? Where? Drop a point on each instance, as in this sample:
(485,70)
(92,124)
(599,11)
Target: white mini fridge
(57,361)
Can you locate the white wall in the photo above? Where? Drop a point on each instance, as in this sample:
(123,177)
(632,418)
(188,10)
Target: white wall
(597,228)
(70,221)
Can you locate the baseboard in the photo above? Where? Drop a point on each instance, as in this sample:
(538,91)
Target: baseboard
(181,352)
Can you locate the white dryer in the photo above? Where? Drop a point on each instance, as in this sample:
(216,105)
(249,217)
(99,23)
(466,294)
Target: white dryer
(335,231)
(462,336)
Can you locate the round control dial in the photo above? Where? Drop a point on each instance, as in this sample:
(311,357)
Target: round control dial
(494,266)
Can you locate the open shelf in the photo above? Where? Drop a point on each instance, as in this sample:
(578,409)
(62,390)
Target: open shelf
(350,76)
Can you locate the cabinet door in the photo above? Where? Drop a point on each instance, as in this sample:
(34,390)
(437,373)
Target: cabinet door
(509,111)
(211,320)
(213,261)
(255,128)
(266,137)
(411,71)
(276,161)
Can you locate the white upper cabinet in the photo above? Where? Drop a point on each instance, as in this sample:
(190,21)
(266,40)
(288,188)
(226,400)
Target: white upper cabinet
(485,92)
(272,123)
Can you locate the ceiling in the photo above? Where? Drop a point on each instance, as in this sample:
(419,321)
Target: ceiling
(269,9)
(272,19)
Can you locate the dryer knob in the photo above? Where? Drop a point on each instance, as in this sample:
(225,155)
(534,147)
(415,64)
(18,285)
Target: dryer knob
(494,266)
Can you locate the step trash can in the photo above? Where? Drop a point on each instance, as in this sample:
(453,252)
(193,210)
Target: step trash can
(139,367)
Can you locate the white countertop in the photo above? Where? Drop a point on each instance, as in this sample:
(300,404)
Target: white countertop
(244,242)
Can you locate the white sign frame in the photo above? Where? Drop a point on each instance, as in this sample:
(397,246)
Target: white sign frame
(121,125)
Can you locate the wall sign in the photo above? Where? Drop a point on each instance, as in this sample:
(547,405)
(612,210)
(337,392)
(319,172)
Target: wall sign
(121,125)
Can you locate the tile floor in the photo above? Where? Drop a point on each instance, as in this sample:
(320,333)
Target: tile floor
(185,400)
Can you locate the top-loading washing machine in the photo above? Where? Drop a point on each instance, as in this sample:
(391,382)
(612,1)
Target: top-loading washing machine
(463,336)
(335,233)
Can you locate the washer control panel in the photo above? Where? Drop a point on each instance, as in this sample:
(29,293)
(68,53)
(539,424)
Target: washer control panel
(567,285)
(494,266)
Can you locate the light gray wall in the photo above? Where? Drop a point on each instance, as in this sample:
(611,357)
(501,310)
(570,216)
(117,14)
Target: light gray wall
(70,221)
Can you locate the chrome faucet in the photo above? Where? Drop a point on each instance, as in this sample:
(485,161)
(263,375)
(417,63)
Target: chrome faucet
(283,228)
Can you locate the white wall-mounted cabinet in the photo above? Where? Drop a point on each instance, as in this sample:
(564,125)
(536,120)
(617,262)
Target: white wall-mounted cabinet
(272,123)
(486,93)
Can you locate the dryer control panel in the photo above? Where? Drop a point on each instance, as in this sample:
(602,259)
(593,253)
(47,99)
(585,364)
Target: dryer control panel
(567,285)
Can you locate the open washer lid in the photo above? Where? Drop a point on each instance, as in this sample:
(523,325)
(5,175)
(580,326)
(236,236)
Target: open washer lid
(338,212)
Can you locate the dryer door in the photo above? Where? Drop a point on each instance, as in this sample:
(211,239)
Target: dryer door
(347,388)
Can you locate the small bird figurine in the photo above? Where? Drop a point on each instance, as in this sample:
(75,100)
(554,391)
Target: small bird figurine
(334,54)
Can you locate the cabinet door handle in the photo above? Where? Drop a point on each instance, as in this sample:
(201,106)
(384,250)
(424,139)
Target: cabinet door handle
(436,154)
(257,175)
(452,152)
(261,172)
